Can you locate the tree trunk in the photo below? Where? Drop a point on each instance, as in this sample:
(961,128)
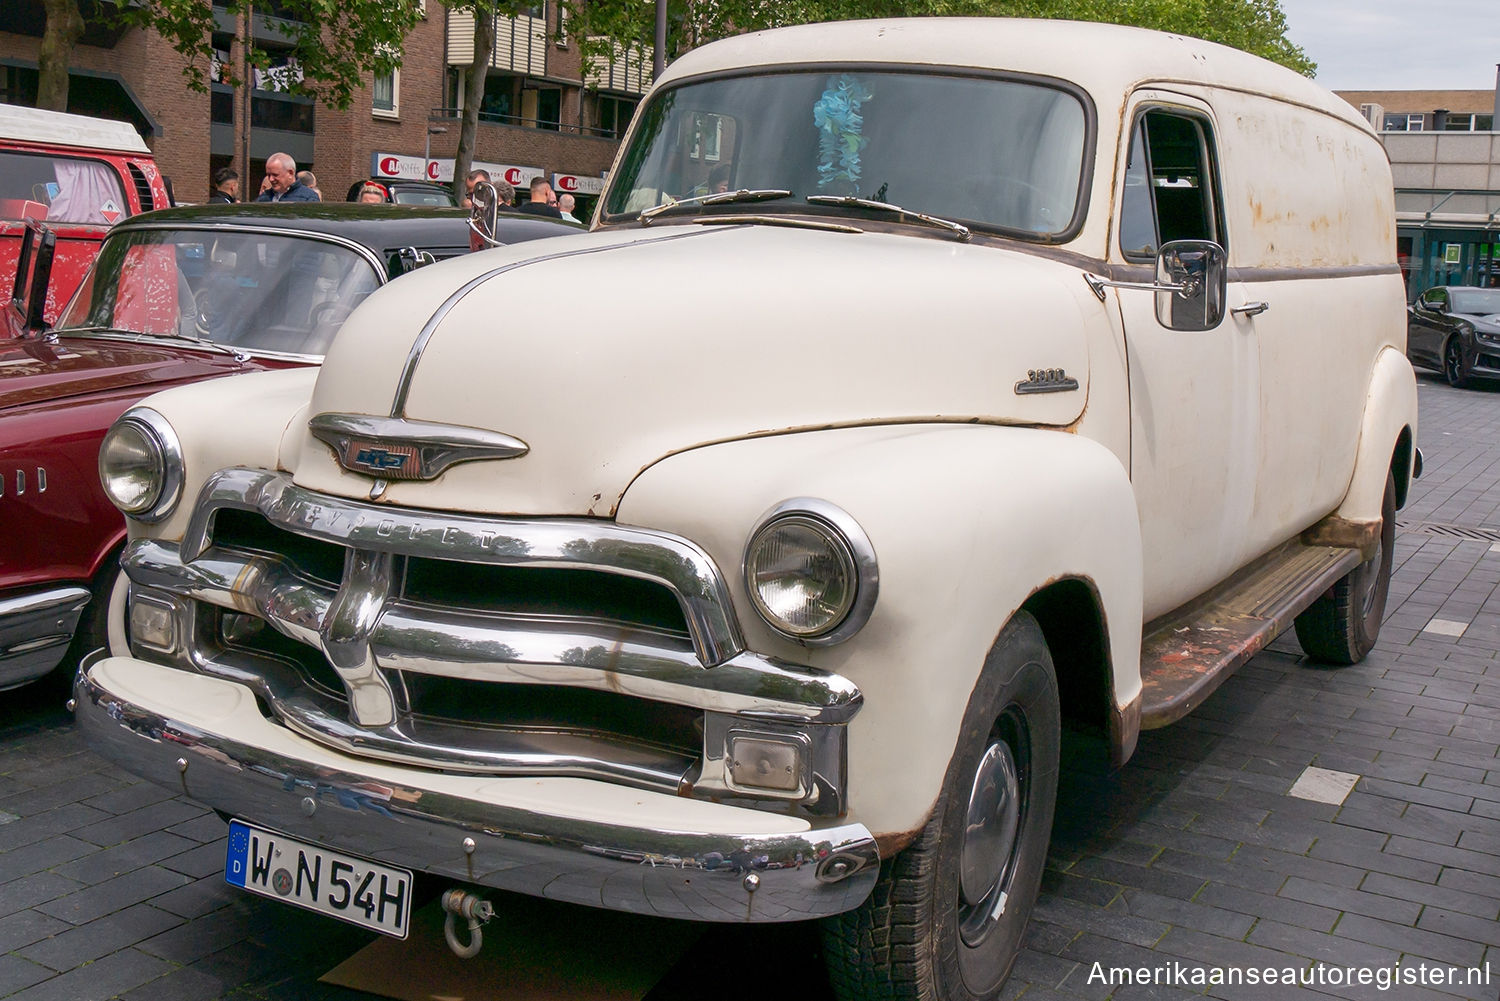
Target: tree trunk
(468,127)
(64,28)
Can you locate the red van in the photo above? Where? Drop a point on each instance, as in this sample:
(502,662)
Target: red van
(80,176)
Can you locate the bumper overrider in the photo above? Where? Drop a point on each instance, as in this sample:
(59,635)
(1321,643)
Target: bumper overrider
(578,840)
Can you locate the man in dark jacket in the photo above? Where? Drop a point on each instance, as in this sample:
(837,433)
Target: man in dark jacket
(543,201)
(281,172)
(226,186)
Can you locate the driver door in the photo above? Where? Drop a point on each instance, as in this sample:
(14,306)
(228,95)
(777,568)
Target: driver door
(1194,395)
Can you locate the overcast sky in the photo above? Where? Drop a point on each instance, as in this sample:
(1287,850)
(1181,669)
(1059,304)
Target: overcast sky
(1398,44)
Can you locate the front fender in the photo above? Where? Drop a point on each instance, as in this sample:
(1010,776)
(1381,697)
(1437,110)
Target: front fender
(966,521)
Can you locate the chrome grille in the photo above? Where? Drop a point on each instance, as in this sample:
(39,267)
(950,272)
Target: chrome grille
(505,646)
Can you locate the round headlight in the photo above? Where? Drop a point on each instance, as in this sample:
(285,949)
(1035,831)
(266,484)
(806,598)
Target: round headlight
(140,465)
(810,572)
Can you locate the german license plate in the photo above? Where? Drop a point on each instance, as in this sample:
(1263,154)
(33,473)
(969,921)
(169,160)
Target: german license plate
(353,889)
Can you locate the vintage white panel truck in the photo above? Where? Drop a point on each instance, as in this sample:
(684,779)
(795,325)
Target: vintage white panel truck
(922,387)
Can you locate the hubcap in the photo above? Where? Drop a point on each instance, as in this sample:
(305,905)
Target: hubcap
(1455,361)
(991,828)
(1370,572)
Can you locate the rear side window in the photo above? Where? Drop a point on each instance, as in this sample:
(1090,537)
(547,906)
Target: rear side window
(1171,187)
(58,189)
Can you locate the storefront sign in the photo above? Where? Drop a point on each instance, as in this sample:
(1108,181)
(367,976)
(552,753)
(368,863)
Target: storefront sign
(1453,253)
(440,170)
(575,184)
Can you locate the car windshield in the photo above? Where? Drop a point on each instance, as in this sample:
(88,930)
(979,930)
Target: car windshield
(1475,300)
(255,291)
(991,152)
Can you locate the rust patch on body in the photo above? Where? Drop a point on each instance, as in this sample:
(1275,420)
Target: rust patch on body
(1346,533)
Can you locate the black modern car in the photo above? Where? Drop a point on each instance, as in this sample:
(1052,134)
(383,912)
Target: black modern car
(403,192)
(1456,330)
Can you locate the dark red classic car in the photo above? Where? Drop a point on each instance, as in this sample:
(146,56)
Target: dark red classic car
(175,296)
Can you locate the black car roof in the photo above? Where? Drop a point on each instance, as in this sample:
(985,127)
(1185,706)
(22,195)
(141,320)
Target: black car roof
(381,227)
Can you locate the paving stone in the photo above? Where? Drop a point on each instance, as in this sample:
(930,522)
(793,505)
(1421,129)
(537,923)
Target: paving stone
(113,975)
(124,827)
(1412,941)
(203,860)
(184,984)
(205,828)
(126,857)
(29,891)
(17,973)
(25,927)
(1264,905)
(113,894)
(1197,915)
(1465,901)
(69,949)
(41,855)
(1371,904)
(1322,948)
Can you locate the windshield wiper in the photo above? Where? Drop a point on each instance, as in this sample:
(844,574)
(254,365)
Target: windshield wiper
(958,229)
(141,335)
(719,198)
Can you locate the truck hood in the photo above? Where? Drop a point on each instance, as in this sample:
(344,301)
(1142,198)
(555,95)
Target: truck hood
(36,372)
(608,351)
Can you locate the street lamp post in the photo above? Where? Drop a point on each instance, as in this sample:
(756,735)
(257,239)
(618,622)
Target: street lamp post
(432,130)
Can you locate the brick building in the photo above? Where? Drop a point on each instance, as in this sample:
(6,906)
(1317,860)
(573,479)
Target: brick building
(543,111)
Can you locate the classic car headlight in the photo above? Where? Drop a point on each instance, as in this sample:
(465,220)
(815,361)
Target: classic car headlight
(140,465)
(811,572)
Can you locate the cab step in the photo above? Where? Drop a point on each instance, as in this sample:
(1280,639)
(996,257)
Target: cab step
(1188,653)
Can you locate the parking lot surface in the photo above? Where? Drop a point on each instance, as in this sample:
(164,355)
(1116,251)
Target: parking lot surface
(1196,861)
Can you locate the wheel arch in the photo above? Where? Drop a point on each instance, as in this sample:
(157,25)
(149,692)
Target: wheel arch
(1071,615)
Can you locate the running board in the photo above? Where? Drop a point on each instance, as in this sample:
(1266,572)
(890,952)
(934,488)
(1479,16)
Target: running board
(1188,653)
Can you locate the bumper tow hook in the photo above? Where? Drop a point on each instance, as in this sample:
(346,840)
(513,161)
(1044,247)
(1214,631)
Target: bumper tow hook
(463,904)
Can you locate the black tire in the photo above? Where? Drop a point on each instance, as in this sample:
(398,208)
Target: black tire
(1342,625)
(918,935)
(1454,368)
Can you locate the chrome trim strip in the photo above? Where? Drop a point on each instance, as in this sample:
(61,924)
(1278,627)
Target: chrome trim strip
(35,631)
(804,872)
(372,258)
(582,544)
(436,446)
(414,356)
(510,649)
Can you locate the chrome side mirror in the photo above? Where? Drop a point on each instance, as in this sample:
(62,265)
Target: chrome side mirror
(484,215)
(407,260)
(1190,279)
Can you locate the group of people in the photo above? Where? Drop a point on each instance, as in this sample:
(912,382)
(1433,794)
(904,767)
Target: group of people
(544,201)
(285,183)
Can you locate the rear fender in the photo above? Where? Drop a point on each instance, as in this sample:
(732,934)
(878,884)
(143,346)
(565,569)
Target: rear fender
(1386,435)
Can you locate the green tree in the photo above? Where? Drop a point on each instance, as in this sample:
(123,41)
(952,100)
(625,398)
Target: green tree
(336,44)
(1256,26)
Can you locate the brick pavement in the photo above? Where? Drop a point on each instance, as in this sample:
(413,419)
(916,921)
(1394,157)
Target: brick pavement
(1193,854)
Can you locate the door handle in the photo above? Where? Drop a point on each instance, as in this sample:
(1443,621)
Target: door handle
(1251,309)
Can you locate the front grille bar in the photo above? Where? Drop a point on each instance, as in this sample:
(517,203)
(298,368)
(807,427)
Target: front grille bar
(503,648)
(686,570)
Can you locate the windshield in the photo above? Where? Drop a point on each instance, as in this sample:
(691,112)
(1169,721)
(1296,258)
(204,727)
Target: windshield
(253,291)
(1475,300)
(995,153)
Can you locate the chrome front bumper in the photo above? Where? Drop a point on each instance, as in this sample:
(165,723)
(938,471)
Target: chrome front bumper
(578,840)
(35,630)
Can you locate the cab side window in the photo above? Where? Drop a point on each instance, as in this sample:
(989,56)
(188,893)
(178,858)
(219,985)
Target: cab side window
(1170,184)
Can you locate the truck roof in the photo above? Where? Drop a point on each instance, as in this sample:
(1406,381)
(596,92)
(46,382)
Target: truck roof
(55,128)
(1106,59)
